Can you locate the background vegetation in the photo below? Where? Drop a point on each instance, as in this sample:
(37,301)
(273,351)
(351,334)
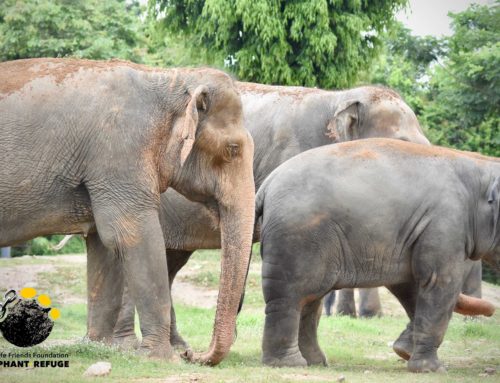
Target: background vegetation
(452,83)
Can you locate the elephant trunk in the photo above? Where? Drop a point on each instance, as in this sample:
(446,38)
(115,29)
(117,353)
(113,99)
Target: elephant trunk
(236,224)
(467,305)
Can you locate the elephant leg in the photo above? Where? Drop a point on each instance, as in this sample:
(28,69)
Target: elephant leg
(138,241)
(280,344)
(308,334)
(328,302)
(369,303)
(346,305)
(472,279)
(104,290)
(176,259)
(440,278)
(406,294)
(124,333)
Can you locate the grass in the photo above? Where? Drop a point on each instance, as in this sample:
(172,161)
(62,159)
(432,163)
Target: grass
(357,349)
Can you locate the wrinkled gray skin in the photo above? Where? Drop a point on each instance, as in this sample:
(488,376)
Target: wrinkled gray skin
(283,121)
(375,212)
(87,147)
(369,299)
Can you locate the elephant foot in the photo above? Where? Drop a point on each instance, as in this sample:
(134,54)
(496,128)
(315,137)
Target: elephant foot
(127,342)
(292,360)
(370,313)
(98,338)
(316,359)
(158,351)
(179,344)
(426,365)
(403,348)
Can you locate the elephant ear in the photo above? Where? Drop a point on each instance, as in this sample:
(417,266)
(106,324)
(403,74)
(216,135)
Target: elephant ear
(344,125)
(197,103)
(494,201)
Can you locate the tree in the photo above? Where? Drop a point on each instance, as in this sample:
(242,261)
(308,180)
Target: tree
(404,64)
(322,43)
(452,83)
(167,50)
(465,89)
(56,28)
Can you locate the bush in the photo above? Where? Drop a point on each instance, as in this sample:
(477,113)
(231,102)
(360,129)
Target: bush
(44,246)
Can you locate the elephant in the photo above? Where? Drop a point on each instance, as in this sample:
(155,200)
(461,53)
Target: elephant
(88,147)
(283,121)
(369,305)
(369,299)
(368,213)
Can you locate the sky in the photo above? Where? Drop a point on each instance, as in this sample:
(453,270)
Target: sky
(430,17)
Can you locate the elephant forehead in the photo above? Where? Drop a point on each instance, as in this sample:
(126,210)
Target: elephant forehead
(226,103)
(378,94)
(295,92)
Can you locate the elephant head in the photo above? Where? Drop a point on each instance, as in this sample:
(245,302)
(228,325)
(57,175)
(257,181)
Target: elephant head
(374,112)
(487,245)
(216,170)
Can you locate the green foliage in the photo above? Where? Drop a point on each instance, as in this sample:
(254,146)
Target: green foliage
(452,84)
(44,246)
(166,50)
(490,274)
(40,246)
(404,63)
(464,91)
(57,28)
(314,42)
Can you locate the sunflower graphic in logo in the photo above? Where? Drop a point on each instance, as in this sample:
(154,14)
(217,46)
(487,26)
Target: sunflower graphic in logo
(24,320)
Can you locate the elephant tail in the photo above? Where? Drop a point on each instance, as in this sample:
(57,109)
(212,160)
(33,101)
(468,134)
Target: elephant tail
(240,306)
(259,203)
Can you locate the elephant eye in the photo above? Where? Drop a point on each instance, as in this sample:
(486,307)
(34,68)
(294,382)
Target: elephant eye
(232,150)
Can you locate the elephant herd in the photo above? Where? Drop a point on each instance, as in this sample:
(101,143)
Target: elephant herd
(151,164)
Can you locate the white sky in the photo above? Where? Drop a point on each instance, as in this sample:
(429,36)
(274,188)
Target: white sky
(430,17)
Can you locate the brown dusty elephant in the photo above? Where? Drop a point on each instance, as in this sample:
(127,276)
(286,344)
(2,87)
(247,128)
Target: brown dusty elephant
(283,122)
(88,146)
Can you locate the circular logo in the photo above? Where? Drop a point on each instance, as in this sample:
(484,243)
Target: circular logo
(24,320)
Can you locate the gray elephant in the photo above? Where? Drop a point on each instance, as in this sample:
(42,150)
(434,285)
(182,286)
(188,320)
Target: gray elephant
(87,147)
(369,299)
(370,213)
(369,303)
(283,122)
